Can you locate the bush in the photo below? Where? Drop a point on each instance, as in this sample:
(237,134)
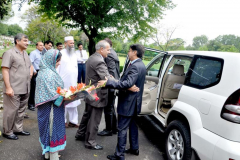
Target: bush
(121,68)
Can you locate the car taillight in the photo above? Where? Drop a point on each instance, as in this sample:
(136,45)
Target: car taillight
(231,108)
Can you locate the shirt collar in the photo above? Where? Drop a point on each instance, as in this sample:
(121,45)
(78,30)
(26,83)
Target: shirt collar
(101,55)
(134,61)
(15,48)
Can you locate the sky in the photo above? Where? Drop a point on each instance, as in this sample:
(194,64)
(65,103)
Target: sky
(191,17)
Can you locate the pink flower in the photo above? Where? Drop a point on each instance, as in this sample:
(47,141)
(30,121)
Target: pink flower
(96,97)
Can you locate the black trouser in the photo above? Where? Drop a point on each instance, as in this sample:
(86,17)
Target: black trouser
(31,100)
(81,72)
(109,113)
(125,123)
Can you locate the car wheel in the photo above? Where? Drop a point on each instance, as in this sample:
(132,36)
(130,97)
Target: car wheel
(178,141)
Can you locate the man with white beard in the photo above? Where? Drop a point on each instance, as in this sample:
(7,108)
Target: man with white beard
(68,70)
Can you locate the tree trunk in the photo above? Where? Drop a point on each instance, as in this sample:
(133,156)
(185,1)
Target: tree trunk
(91,46)
(91,37)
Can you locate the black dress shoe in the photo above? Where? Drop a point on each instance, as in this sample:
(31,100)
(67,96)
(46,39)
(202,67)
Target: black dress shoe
(12,136)
(105,133)
(132,151)
(115,131)
(23,133)
(80,138)
(97,147)
(32,108)
(112,157)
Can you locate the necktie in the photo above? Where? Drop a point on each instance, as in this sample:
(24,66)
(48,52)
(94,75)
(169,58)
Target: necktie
(81,53)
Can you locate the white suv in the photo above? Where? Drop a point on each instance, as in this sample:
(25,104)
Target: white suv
(195,96)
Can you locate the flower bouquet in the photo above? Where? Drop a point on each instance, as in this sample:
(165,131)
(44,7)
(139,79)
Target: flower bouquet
(81,91)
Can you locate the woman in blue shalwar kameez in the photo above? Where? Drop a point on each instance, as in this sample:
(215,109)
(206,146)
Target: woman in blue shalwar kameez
(50,106)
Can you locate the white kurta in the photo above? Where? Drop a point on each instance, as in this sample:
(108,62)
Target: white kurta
(68,70)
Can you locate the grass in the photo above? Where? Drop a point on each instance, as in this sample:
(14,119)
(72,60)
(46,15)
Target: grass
(122,61)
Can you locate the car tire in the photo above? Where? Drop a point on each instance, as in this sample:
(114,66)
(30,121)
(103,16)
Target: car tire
(178,141)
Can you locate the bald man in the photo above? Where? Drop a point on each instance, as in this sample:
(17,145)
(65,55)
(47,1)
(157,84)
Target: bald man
(35,57)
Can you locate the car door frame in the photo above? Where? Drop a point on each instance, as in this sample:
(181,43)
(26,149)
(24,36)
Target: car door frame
(159,74)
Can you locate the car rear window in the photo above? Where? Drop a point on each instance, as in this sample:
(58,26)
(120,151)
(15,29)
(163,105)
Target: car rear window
(204,72)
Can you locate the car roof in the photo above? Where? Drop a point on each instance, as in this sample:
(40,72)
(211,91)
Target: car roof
(205,53)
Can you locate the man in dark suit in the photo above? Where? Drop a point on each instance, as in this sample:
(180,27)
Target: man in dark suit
(96,69)
(129,103)
(112,62)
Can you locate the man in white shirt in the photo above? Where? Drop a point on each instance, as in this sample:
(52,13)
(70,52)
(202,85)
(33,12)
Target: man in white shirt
(82,58)
(68,70)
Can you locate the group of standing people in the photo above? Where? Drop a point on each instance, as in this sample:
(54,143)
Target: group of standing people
(48,69)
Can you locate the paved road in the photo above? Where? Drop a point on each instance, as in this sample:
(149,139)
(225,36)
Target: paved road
(28,148)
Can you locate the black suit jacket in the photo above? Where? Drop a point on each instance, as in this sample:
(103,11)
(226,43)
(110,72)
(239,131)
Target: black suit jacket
(112,62)
(129,103)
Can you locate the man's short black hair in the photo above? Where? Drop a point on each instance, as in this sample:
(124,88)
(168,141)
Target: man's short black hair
(79,44)
(47,42)
(58,44)
(109,41)
(139,48)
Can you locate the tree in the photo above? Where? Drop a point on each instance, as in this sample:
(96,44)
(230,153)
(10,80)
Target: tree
(163,38)
(31,14)
(123,18)
(213,45)
(229,40)
(199,41)
(203,48)
(5,8)
(14,29)
(190,48)
(4,29)
(228,48)
(40,28)
(176,44)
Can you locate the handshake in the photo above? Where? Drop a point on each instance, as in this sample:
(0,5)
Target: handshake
(134,88)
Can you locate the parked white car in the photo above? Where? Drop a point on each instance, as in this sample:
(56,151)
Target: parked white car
(195,97)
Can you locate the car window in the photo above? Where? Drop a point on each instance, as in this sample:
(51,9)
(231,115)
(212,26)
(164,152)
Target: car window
(181,60)
(204,72)
(154,67)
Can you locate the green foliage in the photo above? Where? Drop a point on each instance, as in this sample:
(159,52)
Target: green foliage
(14,29)
(190,48)
(228,48)
(199,41)
(176,44)
(203,48)
(4,29)
(40,28)
(124,18)
(5,8)
(214,45)
(229,40)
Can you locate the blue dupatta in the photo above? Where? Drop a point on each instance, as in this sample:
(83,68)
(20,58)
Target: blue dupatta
(48,79)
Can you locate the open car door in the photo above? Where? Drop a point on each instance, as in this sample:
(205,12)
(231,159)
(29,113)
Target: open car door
(151,85)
